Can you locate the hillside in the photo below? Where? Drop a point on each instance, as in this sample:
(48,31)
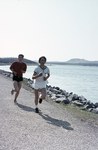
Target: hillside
(9,60)
(76,61)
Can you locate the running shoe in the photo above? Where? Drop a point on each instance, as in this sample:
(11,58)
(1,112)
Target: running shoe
(40,100)
(36,110)
(15,102)
(12,92)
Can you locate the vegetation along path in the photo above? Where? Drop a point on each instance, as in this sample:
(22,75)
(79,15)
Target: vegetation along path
(52,129)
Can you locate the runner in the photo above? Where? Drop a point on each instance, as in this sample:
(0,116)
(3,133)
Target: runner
(41,74)
(18,68)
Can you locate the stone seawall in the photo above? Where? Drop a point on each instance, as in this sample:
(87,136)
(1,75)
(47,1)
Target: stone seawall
(61,96)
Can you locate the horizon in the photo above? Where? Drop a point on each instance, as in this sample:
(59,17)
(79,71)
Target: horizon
(59,30)
(51,61)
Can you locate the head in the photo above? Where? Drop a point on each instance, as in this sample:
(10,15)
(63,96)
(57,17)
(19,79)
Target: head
(20,57)
(42,59)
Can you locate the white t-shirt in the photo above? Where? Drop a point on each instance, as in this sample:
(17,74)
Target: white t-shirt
(44,71)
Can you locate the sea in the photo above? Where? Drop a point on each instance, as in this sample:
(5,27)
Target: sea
(81,80)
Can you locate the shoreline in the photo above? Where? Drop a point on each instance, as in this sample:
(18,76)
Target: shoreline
(62,101)
(58,95)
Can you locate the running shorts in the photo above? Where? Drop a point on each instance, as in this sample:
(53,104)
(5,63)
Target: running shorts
(17,78)
(39,85)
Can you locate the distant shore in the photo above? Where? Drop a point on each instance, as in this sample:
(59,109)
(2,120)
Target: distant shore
(74,61)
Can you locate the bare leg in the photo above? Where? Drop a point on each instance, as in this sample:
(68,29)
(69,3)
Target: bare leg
(17,86)
(36,96)
(43,93)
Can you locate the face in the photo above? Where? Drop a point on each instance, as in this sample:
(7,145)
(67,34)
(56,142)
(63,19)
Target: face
(42,61)
(20,58)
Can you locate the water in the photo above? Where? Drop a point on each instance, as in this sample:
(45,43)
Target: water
(81,80)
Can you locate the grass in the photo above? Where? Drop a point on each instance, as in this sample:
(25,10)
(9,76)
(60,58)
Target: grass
(78,112)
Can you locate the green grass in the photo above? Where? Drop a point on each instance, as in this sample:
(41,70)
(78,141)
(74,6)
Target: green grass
(77,112)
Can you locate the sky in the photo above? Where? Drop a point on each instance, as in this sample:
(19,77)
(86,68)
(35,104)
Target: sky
(58,29)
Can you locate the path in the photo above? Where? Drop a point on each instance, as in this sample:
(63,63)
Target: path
(52,129)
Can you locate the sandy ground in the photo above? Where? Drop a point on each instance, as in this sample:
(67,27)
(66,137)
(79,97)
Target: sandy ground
(52,129)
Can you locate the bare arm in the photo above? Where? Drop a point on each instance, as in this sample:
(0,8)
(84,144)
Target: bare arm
(15,73)
(35,76)
(45,78)
(23,71)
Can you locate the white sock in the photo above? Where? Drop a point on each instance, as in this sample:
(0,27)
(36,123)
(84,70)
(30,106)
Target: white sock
(36,106)
(40,96)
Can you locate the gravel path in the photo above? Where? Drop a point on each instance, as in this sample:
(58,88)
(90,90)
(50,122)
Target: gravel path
(52,129)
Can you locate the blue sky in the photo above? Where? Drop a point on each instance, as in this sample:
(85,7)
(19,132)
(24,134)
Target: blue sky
(58,29)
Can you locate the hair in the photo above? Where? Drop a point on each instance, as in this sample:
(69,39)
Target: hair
(21,55)
(41,58)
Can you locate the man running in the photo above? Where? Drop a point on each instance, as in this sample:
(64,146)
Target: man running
(18,68)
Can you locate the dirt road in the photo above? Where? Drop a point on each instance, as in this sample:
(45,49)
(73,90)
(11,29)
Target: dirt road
(52,129)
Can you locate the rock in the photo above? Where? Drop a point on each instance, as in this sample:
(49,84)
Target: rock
(8,75)
(57,88)
(70,97)
(66,101)
(82,98)
(53,97)
(96,105)
(59,95)
(90,109)
(56,91)
(63,92)
(75,97)
(49,93)
(67,94)
(88,102)
(95,110)
(91,105)
(84,102)
(77,103)
(86,107)
(59,100)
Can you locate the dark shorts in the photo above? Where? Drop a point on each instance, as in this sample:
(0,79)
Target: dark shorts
(17,78)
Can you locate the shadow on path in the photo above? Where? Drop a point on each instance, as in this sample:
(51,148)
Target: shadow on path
(25,108)
(60,123)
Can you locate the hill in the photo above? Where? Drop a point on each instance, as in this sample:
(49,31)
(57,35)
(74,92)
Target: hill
(75,61)
(9,60)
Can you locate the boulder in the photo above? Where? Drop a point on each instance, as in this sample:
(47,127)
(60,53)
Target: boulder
(8,75)
(96,105)
(59,100)
(82,98)
(95,110)
(56,91)
(90,109)
(49,93)
(53,96)
(87,106)
(75,97)
(59,95)
(66,101)
(57,88)
(77,103)
(70,97)
(67,94)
